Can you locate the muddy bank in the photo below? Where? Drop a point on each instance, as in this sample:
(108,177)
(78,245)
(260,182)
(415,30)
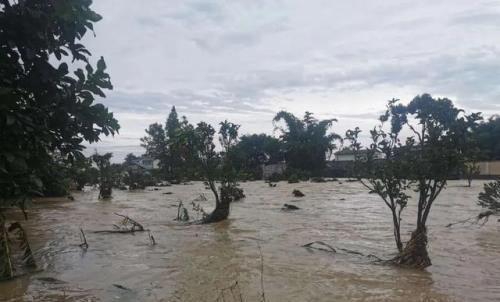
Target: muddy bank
(190,263)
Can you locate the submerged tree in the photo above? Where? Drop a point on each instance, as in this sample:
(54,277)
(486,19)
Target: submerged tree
(105,174)
(471,170)
(214,165)
(82,172)
(228,138)
(434,149)
(135,176)
(306,142)
(44,107)
(253,151)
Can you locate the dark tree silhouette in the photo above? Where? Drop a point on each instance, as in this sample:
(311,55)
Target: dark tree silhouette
(306,142)
(44,107)
(105,174)
(487,134)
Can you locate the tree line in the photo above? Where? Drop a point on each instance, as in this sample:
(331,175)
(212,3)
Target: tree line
(304,144)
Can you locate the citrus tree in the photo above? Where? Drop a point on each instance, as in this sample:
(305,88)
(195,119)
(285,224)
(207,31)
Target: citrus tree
(425,143)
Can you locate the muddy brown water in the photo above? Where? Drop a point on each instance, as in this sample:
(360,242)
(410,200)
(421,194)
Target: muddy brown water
(193,263)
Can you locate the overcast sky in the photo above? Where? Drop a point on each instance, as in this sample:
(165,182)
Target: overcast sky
(246,60)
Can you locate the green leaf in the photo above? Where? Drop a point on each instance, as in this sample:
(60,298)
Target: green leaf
(101,65)
(63,68)
(79,73)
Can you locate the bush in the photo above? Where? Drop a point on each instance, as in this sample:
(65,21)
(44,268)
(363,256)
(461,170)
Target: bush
(232,192)
(318,179)
(276,177)
(297,173)
(293,179)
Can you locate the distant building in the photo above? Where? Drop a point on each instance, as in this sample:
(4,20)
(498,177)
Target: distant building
(349,155)
(488,169)
(273,169)
(146,163)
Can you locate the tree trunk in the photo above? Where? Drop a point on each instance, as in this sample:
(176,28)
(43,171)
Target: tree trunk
(415,252)
(397,232)
(221,212)
(6,271)
(222,202)
(105,191)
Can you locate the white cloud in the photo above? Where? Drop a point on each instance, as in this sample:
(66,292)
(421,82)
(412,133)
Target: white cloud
(244,60)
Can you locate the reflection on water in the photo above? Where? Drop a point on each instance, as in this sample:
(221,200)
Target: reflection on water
(192,263)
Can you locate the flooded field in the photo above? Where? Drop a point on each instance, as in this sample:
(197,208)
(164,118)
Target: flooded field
(194,262)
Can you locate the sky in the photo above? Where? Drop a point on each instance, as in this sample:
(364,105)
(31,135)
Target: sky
(245,60)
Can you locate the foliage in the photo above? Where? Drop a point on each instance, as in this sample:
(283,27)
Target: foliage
(134,175)
(55,176)
(388,178)
(487,134)
(318,179)
(82,173)
(106,178)
(275,177)
(228,138)
(165,144)
(435,147)
(155,142)
(300,175)
(198,147)
(253,151)
(307,142)
(470,170)
(292,179)
(490,197)
(130,159)
(44,107)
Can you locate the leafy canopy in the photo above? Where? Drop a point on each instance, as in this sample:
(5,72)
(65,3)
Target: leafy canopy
(46,108)
(307,141)
(426,142)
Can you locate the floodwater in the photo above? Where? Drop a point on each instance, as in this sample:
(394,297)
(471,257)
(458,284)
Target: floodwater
(195,262)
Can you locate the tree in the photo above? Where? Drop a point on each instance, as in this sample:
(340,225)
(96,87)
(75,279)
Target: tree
(487,134)
(45,108)
(209,161)
(175,162)
(213,165)
(307,141)
(82,172)
(228,138)
(172,124)
(161,143)
(56,176)
(253,151)
(434,148)
(155,143)
(135,176)
(183,146)
(106,178)
(470,170)
(130,159)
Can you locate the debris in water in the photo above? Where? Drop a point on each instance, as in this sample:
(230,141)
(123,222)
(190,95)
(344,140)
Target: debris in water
(121,287)
(84,245)
(290,207)
(297,193)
